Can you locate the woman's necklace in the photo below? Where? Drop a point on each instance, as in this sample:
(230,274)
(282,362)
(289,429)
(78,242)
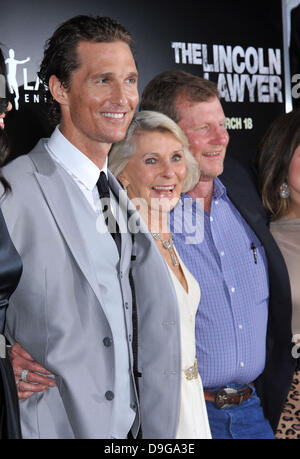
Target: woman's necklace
(169,245)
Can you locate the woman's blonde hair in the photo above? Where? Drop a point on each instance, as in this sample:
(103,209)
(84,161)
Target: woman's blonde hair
(149,121)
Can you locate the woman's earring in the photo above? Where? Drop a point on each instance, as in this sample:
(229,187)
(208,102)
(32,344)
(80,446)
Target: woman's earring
(284,191)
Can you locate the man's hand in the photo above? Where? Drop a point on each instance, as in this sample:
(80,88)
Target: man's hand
(21,360)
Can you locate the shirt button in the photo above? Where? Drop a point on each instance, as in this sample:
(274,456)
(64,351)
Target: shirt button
(216,202)
(211,219)
(232,289)
(121,275)
(240,326)
(126,305)
(107,341)
(109,395)
(222,253)
(242,364)
(129,337)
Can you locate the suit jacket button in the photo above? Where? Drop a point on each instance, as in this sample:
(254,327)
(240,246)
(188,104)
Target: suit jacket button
(109,395)
(107,341)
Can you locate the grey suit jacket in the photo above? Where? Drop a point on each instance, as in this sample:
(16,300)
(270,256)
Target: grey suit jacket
(57,313)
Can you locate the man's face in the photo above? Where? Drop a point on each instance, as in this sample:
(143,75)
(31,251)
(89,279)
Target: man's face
(103,95)
(204,126)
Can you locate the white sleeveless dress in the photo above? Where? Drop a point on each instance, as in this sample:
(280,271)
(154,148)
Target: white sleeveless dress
(193,420)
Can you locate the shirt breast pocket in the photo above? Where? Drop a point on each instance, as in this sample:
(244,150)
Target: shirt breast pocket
(260,278)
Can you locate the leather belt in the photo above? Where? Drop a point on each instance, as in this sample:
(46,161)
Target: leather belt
(228,396)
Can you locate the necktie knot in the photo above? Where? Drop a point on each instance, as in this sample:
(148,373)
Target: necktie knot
(102,185)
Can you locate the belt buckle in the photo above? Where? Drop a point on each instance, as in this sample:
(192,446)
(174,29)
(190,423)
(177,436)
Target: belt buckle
(192,372)
(223,396)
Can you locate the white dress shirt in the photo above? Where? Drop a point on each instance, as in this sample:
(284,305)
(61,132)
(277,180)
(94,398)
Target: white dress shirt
(84,172)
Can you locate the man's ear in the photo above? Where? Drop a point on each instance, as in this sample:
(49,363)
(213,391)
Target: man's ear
(58,91)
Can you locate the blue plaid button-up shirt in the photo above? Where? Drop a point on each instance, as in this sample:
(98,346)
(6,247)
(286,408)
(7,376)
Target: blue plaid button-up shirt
(231,268)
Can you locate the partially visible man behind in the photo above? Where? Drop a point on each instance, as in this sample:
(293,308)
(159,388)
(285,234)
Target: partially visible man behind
(73,309)
(243,333)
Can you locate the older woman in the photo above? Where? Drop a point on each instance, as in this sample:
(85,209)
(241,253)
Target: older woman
(10,272)
(279,171)
(154,165)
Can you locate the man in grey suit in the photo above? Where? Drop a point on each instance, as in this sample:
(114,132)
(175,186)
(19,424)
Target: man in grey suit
(72,310)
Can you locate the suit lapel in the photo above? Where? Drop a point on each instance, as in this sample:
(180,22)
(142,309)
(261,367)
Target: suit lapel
(245,198)
(56,190)
(241,202)
(128,212)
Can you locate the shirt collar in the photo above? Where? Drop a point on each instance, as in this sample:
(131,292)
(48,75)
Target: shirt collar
(73,160)
(219,189)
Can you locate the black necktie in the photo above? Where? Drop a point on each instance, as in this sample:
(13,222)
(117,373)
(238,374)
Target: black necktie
(111,223)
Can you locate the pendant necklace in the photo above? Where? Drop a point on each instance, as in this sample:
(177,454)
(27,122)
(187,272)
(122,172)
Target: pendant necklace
(169,245)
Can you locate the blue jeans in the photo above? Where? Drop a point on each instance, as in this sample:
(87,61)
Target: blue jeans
(245,421)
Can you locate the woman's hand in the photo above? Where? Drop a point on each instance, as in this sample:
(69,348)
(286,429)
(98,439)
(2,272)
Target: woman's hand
(38,378)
